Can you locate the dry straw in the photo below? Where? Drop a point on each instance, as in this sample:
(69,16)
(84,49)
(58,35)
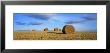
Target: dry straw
(68,29)
(46,29)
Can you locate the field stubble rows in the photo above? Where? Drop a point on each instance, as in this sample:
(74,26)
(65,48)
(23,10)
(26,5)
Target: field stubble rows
(34,35)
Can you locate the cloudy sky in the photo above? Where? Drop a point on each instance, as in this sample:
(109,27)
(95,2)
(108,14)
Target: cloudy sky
(39,21)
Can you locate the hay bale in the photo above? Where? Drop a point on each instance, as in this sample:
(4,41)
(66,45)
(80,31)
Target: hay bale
(55,29)
(68,29)
(33,30)
(46,29)
(59,29)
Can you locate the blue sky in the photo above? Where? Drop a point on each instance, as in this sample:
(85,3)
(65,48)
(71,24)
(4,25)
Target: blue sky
(39,21)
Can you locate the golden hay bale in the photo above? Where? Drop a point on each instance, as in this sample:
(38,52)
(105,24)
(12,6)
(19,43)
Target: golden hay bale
(33,30)
(59,29)
(46,29)
(55,29)
(68,29)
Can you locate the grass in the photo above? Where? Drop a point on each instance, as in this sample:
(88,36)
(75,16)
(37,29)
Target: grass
(37,35)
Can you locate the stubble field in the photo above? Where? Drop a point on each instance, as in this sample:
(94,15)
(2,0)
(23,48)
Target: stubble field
(38,35)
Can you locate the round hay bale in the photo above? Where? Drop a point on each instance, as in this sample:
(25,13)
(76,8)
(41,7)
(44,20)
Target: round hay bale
(46,29)
(33,30)
(59,29)
(68,29)
(55,29)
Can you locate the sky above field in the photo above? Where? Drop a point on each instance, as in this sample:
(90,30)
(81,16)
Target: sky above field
(39,21)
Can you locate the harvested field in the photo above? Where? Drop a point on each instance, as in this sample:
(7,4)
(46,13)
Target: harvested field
(37,35)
